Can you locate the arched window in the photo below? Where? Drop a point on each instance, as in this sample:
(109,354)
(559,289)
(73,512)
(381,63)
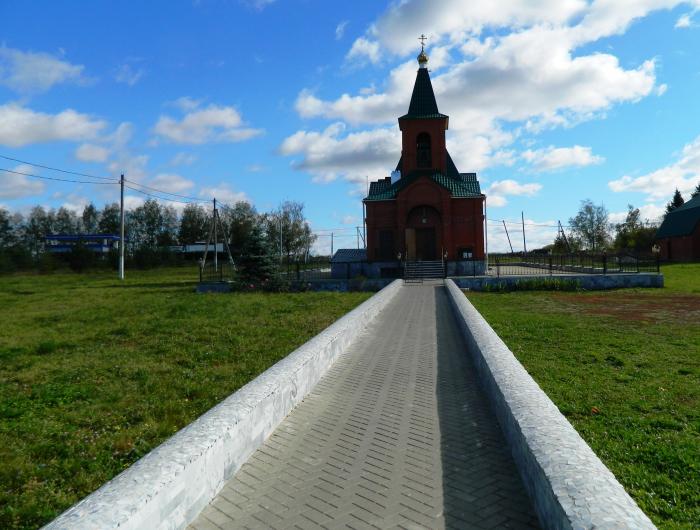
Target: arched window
(423,157)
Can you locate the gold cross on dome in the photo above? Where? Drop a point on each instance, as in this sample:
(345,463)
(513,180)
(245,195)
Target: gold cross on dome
(422,40)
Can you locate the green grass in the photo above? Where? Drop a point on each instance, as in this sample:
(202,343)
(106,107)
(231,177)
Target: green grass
(94,374)
(624,368)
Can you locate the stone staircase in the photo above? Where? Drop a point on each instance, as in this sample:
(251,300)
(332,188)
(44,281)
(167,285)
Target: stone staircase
(417,271)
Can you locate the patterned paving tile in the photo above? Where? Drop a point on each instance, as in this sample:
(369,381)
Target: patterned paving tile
(396,435)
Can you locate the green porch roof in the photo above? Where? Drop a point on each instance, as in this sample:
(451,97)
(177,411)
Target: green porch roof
(463,185)
(681,221)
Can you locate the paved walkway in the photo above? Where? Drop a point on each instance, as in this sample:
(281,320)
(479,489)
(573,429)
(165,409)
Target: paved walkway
(396,435)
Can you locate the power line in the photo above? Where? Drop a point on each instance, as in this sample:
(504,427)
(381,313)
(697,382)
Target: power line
(57,179)
(159,197)
(526,224)
(55,169)
(193,199)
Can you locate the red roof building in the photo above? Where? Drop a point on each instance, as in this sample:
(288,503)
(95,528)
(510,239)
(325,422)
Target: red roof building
(427,210)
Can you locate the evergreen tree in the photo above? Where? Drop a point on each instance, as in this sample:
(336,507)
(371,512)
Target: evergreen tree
(696,191)
(257,263)
(675,202)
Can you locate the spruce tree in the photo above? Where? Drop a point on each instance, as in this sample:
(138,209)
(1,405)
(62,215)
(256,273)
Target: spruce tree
(675,202)
(257,263)
(696,192)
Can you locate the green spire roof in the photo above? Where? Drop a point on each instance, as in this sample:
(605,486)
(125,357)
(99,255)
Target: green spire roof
(423,104)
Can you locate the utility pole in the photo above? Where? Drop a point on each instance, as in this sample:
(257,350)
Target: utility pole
(522,216)
(121,229)
(508,236)
(216,242)
(357,233)
(331,244)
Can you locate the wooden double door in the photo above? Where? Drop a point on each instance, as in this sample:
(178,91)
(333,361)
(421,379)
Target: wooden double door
(421,244)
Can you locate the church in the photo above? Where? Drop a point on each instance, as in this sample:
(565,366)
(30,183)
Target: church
(426,211)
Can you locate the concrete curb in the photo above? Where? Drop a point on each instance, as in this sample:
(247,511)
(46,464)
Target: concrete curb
(168,487)
(591,282)
(569,485)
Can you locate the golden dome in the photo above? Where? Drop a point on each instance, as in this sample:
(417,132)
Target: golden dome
(422,57)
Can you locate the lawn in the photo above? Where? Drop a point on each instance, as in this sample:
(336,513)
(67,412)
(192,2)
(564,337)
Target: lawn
(624,368)
(94,373)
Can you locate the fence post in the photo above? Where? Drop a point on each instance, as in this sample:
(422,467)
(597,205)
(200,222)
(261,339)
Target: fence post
(498,268)
(550,265)
(658,263)
(297,270)
(637,258)
(605,263)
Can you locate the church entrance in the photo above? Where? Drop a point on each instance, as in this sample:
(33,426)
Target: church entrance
(422,234)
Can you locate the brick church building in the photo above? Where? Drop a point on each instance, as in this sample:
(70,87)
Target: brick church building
(426,210)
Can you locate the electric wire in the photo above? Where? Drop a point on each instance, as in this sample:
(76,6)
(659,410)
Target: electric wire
(56,169)
(192,199)
(58,179)
(167,199)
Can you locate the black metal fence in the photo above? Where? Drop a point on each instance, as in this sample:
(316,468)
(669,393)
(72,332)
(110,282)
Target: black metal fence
(222,272)
(539,264)
(300,271)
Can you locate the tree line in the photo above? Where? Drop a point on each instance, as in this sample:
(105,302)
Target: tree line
(591,229)
(151,231)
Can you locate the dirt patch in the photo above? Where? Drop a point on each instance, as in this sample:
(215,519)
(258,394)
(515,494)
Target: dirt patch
(677,308)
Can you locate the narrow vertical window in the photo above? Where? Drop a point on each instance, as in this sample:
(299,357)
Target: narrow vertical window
(424,158)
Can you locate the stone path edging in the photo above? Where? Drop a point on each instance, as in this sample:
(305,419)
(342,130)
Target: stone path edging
(169,486)
(569,485)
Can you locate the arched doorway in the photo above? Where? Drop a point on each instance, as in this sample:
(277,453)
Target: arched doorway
(423,234)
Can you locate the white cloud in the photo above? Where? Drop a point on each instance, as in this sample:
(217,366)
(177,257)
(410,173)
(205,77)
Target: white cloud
(500,189)
(364,49)
(185,103)
(171,182)
(527,75)
(537,234)
(553,158)
(92,153)
(17,186)
(648,212)
(331,154)
(255,168)
(203,125)
(128,74)
(258,4)
(684,174)
(29,72)
(223,193)
(340,29)
(20,126)
(183,159)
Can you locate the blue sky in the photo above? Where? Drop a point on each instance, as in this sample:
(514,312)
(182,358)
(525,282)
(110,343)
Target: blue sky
(551,102)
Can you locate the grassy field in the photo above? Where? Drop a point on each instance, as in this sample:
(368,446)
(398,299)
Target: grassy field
(94,374)
(624,368)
